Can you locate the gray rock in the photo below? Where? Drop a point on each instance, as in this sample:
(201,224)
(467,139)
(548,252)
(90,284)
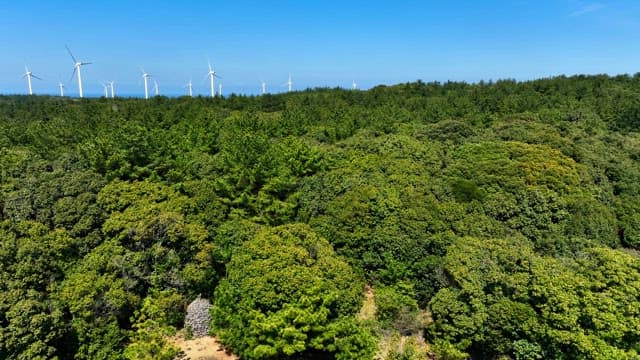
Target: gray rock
(198,317)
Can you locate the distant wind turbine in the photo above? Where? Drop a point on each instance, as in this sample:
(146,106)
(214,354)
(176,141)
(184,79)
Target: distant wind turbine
(155,87)
(76,69)
(113,91)
(146,77)
(190,87)
(354,86)
(61,86)
(212,74)
(106,89)
(28,74)
(289,83)
(264,87)
(220,89)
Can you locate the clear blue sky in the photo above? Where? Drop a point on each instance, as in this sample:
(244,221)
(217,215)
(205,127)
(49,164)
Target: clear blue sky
(320,42)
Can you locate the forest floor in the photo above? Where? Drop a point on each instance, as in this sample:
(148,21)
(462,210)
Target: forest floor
(368,310)
(204,348)
(390,340)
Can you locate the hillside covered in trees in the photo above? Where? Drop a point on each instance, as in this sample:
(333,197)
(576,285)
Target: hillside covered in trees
(490,220)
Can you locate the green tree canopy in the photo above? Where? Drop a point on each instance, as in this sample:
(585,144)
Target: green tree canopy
(288,295)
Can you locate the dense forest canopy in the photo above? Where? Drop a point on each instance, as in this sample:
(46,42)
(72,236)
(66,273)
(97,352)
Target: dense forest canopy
(489,220)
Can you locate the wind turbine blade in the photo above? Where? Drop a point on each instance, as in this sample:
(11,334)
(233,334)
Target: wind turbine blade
(72,74)
(85,63)
(219,77)
(72,57)
(36,77)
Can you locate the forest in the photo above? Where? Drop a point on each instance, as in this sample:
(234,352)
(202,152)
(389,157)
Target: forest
(493,220)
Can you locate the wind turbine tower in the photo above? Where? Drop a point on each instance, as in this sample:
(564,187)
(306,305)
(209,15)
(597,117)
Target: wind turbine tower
(106,89)
(212,74)
(112,88)
(354,86)
(190,87)
(61,86)
(28,74)
(264,87)
(76,69)
(289,83)
(155,87)
(145,77)
(220,89)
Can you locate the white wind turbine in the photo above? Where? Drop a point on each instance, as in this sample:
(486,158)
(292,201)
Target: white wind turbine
(190,87)
(220,89)
(212,74)
(289,83)
(112,88)
(28,74)
(155,87)
(106,89)
(354,86)
(76,69)
(264,87)
(146,77)
(61,86)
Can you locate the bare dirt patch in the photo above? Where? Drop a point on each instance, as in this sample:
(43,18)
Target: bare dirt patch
(203,348)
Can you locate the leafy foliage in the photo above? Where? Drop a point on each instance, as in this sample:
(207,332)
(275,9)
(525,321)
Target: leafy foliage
(508,210)
(508,300)
(287,294)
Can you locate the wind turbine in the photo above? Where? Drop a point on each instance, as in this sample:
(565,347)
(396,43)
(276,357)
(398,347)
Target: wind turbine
(155,87)
(354,86)
(61,86)
(28,74)
(76,69)
(106,89)
(112,88)
(212,74)
(190,87)
(264,87)
(289,82)
(145,76)
(220,89)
